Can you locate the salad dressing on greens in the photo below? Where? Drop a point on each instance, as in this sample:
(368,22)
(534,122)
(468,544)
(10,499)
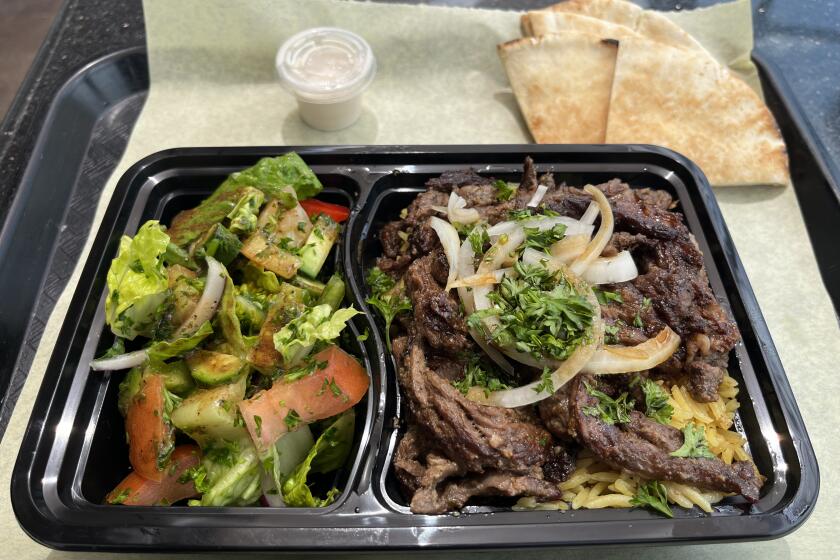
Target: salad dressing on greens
(237,390)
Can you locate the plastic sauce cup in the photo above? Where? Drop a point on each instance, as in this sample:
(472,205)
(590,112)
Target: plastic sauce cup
(327,69)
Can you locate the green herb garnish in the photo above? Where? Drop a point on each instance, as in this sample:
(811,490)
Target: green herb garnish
(695,444)
(656,401)
(653,495)
(542,239)
(121,497)
(606,297)
(478,237)
(384,300)
(608,409)
(539,313)
(292,419)
(546,384)
(504,190)
(475,375)
(258,425)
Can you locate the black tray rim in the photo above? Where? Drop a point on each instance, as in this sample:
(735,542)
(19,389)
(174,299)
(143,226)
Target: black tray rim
(25,506)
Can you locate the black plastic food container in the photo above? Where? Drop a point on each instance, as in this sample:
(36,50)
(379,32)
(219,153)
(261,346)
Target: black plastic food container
(74,449)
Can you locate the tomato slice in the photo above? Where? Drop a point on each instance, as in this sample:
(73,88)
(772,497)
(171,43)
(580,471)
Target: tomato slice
(135,490)
(149,436)
(326,392)
(314,207)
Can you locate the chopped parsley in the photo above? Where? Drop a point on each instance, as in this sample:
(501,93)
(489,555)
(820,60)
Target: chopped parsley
(653,495)
(223,452)
(292,419)
(546,384)
(519,215)
(539,313)
(121,497)
(695,444)
(542,239)
(637,321)
(505,190)
(333,388)
(608,409)
(198,475)
(656,401)
(478,237)
(308,368)
(606,297)
(384,300)
(258,425)
(646,303)
(475,375)
(610,334)
(364,336)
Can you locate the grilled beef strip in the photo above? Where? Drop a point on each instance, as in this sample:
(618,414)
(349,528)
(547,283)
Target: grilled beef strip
(643,446)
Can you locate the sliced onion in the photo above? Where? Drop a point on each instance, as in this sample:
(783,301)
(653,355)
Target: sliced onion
(596,246)
(441,209)
(538,196)
(458,211)
(590,214)
(451,246)
(533,257)
(542,223)
(570,247)
(486,279)
(466,269)
(466,256)
(209,301)
(609,270)
(123,361)
(528,394)
(628,359)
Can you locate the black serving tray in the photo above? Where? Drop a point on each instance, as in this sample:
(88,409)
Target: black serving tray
(62,471)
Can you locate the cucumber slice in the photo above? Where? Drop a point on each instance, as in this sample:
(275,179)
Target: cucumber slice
(321,239)
(214,368)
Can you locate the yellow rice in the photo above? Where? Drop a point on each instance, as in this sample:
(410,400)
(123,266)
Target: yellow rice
(595,485)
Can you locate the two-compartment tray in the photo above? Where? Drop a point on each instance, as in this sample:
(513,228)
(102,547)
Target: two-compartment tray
(74,449)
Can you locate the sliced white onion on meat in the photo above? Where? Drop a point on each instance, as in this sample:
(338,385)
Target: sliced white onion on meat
(542,223)
(214,287)
(570,247)
(628,359)
(565,372)
(448,236)
(466,269)
(538,196)
(590,214)
(596,246)
(609,270)
(493,259)
(458,211)
(441,209)
(533,257)
(123,361)
(485,279)
(466,256)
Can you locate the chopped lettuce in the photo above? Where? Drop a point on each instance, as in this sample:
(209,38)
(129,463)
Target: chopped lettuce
(329,453)
(284,456)
(228,320)
(137,282)
(296,339)
(270,175)
(229,475)
(165,349)
(260,278)
(243,217)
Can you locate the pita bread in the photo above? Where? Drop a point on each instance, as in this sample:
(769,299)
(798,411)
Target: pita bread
(647,23)
(562,83)
(545,22)
(689,103)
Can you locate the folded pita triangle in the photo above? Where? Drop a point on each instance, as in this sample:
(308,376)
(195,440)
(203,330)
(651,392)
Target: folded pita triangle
(562,83)
(647,23)
(687,102)
(545,22)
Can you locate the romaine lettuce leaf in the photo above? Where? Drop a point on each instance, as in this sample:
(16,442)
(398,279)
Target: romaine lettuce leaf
(295,340)
(271,174)
(228,321)
(329,453)
(165,349)
(137,282)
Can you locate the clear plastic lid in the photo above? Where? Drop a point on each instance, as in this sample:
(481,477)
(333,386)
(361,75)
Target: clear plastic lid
(325,64)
